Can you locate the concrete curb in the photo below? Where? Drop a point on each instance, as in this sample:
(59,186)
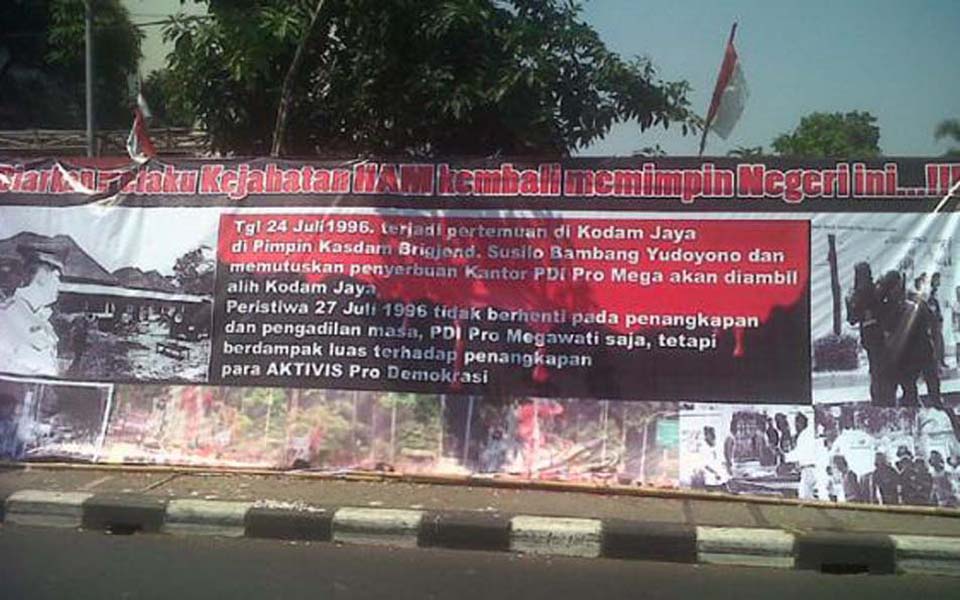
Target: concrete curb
(747,547)
(46,509)
(926,555)
(826,551)
(206,517)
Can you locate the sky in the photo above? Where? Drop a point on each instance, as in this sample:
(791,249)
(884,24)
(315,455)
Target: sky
(895,59)
(892,58)
(114,236)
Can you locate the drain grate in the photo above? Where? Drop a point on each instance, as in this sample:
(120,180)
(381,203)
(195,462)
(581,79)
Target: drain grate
(844,569)
(122,529)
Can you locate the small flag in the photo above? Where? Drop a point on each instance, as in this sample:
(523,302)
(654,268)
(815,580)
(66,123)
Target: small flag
(729,95)
(139,146)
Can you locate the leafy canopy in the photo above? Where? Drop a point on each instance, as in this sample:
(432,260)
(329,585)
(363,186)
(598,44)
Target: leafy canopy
(42,63)
(831,135)
(949,129)
(420,77)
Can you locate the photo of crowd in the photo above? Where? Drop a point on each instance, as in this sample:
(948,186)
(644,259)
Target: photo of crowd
(890,456)
(766,450)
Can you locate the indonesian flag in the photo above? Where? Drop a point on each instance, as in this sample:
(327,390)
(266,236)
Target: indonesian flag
(139,146)
(729,95)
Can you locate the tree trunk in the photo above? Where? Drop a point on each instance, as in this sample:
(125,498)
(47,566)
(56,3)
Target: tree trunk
(834,282)
(289,81)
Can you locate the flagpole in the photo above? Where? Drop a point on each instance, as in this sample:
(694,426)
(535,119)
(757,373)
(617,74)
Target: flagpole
(91,143)
(713,102)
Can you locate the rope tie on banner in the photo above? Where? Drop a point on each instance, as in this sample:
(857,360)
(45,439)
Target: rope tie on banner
(953,190)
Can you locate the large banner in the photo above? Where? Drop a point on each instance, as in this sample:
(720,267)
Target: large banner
(774,327)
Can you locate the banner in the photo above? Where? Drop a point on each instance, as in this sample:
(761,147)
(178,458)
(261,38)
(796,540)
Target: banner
(774,327)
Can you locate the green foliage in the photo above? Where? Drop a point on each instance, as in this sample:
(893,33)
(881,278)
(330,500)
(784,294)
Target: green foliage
(832,135)
(157,89)
(747,152)
(42,63)
(650,151)
(836,353)
(949,129)
(422,77)
(195,270)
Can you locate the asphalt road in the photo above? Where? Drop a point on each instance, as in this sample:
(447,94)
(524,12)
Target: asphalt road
(47,563)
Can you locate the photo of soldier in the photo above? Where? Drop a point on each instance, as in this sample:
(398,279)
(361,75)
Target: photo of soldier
(862,310)
(900,333)
(883,485)
(30,341)
(933,302)
(9,443)
(944,492)
(956,325)
(880,315)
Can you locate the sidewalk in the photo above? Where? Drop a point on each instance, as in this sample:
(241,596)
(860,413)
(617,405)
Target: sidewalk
(666,527)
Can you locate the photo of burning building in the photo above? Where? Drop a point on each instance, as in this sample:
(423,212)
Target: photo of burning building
(40,420)
(94,324)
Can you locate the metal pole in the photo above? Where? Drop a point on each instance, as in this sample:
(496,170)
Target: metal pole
(466,436)
(91,147)
(393,433)
(605,417)
(643,451)
(443,409)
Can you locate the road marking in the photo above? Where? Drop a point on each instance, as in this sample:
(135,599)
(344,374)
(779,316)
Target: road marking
(157,484)
(92,484)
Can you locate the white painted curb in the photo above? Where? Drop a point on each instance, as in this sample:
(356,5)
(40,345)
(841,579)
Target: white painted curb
(46,509)
(745,546)
(206,517)
(378,526)
(556,536)
(927,555)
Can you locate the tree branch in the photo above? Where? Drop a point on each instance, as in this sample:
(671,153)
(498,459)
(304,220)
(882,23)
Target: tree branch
(286,93)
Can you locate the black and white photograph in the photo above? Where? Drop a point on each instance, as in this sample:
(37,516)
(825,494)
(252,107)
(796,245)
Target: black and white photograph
(889,456)
(43,420)
(106,294)
(884,289)
(760,450)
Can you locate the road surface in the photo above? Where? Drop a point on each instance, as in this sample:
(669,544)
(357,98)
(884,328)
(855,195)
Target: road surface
(37,563)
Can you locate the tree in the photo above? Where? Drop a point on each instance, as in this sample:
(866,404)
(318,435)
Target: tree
(650,151)
(422,77)
(165,112)
(949,129)
(42,63)
(831,135)
(747,152)
(195,270)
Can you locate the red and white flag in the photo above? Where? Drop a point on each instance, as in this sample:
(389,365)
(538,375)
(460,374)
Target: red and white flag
(139,146)
(729,95)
